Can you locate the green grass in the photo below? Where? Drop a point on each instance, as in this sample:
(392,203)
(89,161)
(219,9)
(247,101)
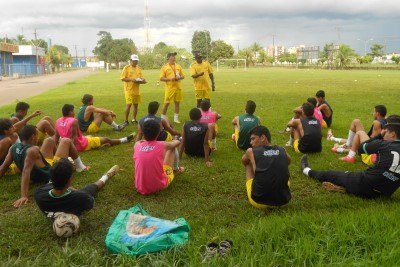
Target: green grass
(316,228)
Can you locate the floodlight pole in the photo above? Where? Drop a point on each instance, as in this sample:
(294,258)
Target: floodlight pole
(365,44)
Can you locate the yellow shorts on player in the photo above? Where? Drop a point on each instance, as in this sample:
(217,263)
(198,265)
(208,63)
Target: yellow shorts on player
(41,136)
(324,125)
(93,128)
(249,184)
(169,137)
(169,172)
(236,136)
(93,142)
(53,160)
(12,169)
(201,94)
(368,159)
(173,95)
(130,98)
(216,128)
(296,146)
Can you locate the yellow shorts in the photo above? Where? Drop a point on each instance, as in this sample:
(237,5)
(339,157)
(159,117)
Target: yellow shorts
(201,94)
(169,172)
(236,136)
(53,160)
(93,142)
(93,128)
(324,125)
(368,159)
(12,169)
(41,136)
(249,184)
(169,137)
(296,146)
(130,98)
(174,95)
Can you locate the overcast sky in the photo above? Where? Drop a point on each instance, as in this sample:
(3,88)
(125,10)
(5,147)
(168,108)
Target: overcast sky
(240,23)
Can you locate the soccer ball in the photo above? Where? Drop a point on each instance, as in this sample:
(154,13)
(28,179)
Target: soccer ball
(65,225)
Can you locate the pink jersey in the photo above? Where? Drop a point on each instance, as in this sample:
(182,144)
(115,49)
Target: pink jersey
(208,117)
(63,128)
(318,115)
(149,173)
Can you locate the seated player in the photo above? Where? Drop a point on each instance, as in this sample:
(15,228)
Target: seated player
(381,179)
(325,108)
(305,132)
(35,162)
(298,112)
(358,135)
(196,137)
(67,126)
(45,126)
(59,196)
(155,161)
(267,171)
(243,124)
(91,117)
(211,118)
(167,132)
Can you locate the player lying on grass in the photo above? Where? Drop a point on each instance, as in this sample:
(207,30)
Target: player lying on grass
(35,162)
(60,196)
(45,126)
(67,126)
(243,124)
(155,161)
(325,108)
(91,117)
(196,137)
(211,118)
(167,132)
(267,171)
(358,135)
(381,179)
(305,135)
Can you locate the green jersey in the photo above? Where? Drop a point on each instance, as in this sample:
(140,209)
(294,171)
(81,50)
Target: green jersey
(246,123)
(84,125)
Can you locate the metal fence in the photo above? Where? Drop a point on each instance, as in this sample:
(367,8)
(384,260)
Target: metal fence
(22,70)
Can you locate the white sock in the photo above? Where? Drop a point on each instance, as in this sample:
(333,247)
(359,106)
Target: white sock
(176,160)
(214,141)
(176,116)
(79,164)
(114,125)
(340,149)
(306,170)
(104,178)
(335,139)
(123,140)
(350,138)
(351,154)
(163,116)
(291,141)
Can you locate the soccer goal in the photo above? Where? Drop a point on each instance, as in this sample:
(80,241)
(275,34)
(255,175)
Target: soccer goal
(231,64)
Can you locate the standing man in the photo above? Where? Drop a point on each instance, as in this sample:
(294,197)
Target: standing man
(172,74)
(200,72)
(132,77)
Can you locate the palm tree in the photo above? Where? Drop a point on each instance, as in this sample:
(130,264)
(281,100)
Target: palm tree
(344,56)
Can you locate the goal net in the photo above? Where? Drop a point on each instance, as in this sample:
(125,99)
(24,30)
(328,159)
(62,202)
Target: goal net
(231,64)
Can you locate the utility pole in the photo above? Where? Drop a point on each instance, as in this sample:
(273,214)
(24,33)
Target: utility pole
(338,33)
(237,42)
(146,24)
(273,47)
(37,56)
(76,54)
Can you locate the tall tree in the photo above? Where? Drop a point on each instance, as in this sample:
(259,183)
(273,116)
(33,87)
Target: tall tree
(377,50)
(103,46)
(344,56)
(121,49)
(201,41)
(247,54)
(396,59)
(62,49)
(20,40)
(220,49)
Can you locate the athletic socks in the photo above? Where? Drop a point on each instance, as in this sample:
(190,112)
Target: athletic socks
(214,142)
(176,117)
(79,164)
(123,140)
(163,116)
(176,160)
(104,178)
(291,141)
(351,154)
(114,125)
(350,138)
(306,170)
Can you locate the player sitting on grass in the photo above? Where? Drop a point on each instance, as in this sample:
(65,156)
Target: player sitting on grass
(298,112)
(381,179)
(358,135)
(305,132)
(35,162)
(267,171)
(91,117)
(325,108)
(196,137)
(155,161)
(45,126)
(211,118)
(243,124)
(59,196)
(167,132)
(67,126)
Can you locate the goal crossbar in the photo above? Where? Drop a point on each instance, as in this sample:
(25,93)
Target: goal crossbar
(232,59)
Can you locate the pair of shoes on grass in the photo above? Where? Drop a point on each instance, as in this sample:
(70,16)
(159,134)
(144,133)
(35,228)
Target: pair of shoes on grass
(213,249)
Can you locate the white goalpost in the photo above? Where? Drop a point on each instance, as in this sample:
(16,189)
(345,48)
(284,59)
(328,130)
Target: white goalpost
(221,62)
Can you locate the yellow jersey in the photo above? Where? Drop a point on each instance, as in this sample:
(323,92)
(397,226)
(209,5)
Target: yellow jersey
(171,71)
(201,82)
(132,73)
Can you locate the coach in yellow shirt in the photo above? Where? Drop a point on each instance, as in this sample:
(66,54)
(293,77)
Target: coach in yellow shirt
(200,71)
(172,74)
(132,77)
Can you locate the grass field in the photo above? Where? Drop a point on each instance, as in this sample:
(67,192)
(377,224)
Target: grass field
(316,228)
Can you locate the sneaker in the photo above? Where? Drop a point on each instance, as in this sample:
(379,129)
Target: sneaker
(121,126)
(333,188)
(113,171)
(177,121)
(349,159)
(131,136)
(134,121)
(329,135)
(211,250)
(225,247)
(304,162)
(334,149)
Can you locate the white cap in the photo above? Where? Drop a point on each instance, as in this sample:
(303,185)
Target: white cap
(134,57)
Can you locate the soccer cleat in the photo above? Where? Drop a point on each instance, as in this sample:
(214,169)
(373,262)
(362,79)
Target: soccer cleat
(134,121)
(333,188)
(113,171)
(349,159)
(225,247)
(211,250)
(121,126)
(177,121)
(329,135)
(131,136)
(87,168)
(304,162)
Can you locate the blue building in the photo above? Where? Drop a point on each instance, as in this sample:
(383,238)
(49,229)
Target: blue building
(30,60)
(6,57)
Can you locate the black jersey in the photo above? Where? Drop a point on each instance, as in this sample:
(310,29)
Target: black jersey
(328,120)
(195,133)
(312,138)
(381,121)
(384,176)
(163,134)
(270,184)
